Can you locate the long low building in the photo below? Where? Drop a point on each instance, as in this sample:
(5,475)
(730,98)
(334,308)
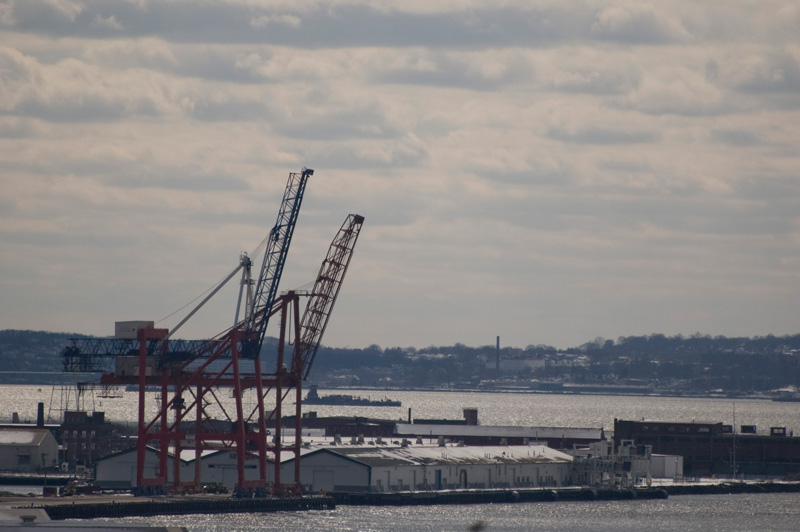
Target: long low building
(711,448)
(368,468)
(553,437)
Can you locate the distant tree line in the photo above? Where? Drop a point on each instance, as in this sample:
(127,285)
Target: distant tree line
(694,363)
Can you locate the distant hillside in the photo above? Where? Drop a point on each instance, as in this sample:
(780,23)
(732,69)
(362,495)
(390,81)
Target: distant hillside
(32,357)
(677,364)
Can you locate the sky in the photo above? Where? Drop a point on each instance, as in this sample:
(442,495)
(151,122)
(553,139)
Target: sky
(548,172)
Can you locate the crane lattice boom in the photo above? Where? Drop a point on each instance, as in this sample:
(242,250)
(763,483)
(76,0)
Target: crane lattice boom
(323,295)
(280,237)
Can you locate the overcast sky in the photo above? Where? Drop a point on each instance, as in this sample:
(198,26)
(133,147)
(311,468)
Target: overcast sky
(545,171)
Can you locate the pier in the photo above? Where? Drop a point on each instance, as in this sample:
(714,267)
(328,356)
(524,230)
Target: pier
(183,506)
(556,494)
(123,506)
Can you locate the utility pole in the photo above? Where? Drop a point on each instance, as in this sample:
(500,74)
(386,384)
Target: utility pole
(734,441)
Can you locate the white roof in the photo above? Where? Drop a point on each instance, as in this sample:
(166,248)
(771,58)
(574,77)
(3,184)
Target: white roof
(21,436)
(419,429)
(451,455)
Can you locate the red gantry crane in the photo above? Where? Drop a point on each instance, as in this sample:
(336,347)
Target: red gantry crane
(191,412)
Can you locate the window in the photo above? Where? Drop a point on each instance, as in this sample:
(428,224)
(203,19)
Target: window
(23,459)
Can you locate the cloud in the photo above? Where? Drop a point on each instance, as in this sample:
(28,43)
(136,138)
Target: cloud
(602,136)
(734,137)
(109,23)
(71,90)
(637,23)
(678,90)
(522,166)
(263,21)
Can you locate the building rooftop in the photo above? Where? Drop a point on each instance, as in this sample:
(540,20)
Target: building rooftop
(22,436)
(533,433)
(450,455)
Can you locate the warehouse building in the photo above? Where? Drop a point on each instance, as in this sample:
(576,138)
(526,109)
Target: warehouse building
(554,437)
(118,471)
(27,449)
(711,448)
(368,468)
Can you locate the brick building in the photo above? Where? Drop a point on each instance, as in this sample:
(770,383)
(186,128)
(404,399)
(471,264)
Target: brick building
(713,448)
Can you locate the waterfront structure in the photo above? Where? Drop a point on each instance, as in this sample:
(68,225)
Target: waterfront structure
(561,438)
(711,448)
(118,470)
(415,468)
(370,467)
(85,437)
(601,465)
(215,467)
(27,449)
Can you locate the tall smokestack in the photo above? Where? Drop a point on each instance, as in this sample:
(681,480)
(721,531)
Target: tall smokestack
(497,359)
(40,416)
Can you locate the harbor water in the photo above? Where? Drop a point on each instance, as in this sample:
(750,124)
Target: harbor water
(742,512)
(513,409)
(707,513)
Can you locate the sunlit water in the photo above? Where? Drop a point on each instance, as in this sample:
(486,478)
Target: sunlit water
(707,513)
(775,512)
(515,409)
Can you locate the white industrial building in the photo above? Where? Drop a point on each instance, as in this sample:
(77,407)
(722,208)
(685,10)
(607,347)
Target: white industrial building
(368,468)
(118,471)
(668,466)
(598,465)
(27,449)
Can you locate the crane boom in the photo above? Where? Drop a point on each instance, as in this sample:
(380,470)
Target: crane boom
(93,354)
(280,237)
(323,295)
(190,374)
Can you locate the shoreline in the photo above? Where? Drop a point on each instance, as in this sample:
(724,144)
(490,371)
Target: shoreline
(567,391)
(118,506)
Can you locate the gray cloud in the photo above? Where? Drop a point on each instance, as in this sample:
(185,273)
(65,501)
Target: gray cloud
(523,169)
(597,135)
(342,25)
(637,23)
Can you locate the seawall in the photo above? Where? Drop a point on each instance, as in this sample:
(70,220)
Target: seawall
(185,506)
(218,505)
(555,494)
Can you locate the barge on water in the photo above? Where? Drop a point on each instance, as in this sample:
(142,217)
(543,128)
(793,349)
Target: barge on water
(313,398)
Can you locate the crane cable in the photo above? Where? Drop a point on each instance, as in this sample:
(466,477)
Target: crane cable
(255,253)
